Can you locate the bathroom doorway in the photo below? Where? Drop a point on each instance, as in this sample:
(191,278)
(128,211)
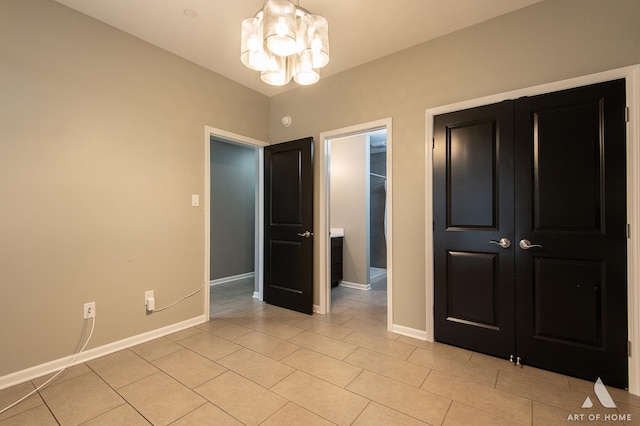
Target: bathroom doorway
(357,212)
(355,167)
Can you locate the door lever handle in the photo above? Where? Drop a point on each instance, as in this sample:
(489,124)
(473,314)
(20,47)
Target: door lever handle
(305,234)
(526,245)
(504,243)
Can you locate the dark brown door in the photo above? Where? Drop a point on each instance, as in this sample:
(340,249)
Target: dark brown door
(563,276)
(473,207)
(571,200)
(288,254)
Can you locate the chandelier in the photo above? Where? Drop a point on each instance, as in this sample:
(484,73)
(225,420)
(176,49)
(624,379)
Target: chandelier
(285,41)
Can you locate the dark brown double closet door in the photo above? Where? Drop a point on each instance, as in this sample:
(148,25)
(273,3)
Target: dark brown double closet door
(530,231)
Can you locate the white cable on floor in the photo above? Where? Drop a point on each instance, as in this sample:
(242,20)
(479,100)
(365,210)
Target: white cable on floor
(93,324)
(181,299)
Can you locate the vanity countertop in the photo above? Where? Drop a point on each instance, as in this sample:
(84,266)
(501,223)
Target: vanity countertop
(336,232)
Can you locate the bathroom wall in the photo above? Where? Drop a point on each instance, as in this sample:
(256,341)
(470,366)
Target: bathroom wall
(349,208)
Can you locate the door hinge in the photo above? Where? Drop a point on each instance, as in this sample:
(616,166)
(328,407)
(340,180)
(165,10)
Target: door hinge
(433,143)
(628,348)
(626,114)
(628,231)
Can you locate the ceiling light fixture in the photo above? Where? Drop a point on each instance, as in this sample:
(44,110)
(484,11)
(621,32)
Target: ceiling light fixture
(285,41)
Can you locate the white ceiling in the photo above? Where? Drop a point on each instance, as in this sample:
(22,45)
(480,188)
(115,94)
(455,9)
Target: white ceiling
(359,30)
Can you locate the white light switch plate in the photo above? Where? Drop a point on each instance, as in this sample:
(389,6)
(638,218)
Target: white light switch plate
(195,200)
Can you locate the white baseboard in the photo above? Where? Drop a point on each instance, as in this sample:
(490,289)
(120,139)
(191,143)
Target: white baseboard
(316,309)
(256,295)
(232,278)
(378,278)
(357,286)
(58,364)
(409,332)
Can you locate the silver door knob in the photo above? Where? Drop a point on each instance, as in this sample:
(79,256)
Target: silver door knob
(504,243)
(526,245)
(305,234)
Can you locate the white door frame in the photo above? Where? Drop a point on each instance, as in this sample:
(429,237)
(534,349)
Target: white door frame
(259,249)
(632,76)
(324,257)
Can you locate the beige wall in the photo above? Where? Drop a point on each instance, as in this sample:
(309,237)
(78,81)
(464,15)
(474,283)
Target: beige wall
(101,147)
(549,41)
(349,207)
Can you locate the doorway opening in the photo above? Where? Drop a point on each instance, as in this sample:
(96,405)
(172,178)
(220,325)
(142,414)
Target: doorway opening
(357,199)
(233,220)
(355,207)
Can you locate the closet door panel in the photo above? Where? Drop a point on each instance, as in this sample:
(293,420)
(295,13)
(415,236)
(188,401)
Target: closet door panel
(571,207)
(473,206)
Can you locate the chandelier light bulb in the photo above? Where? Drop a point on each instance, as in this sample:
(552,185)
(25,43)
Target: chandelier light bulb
(254,43)
(316,44)
(281,27)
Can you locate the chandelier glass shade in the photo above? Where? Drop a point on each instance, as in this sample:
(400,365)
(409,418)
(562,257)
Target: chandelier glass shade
(284,41)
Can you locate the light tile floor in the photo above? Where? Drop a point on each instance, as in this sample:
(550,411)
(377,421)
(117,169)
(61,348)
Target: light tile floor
(256,364)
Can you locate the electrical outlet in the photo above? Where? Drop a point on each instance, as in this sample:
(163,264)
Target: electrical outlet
(149,301)
(89,310)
